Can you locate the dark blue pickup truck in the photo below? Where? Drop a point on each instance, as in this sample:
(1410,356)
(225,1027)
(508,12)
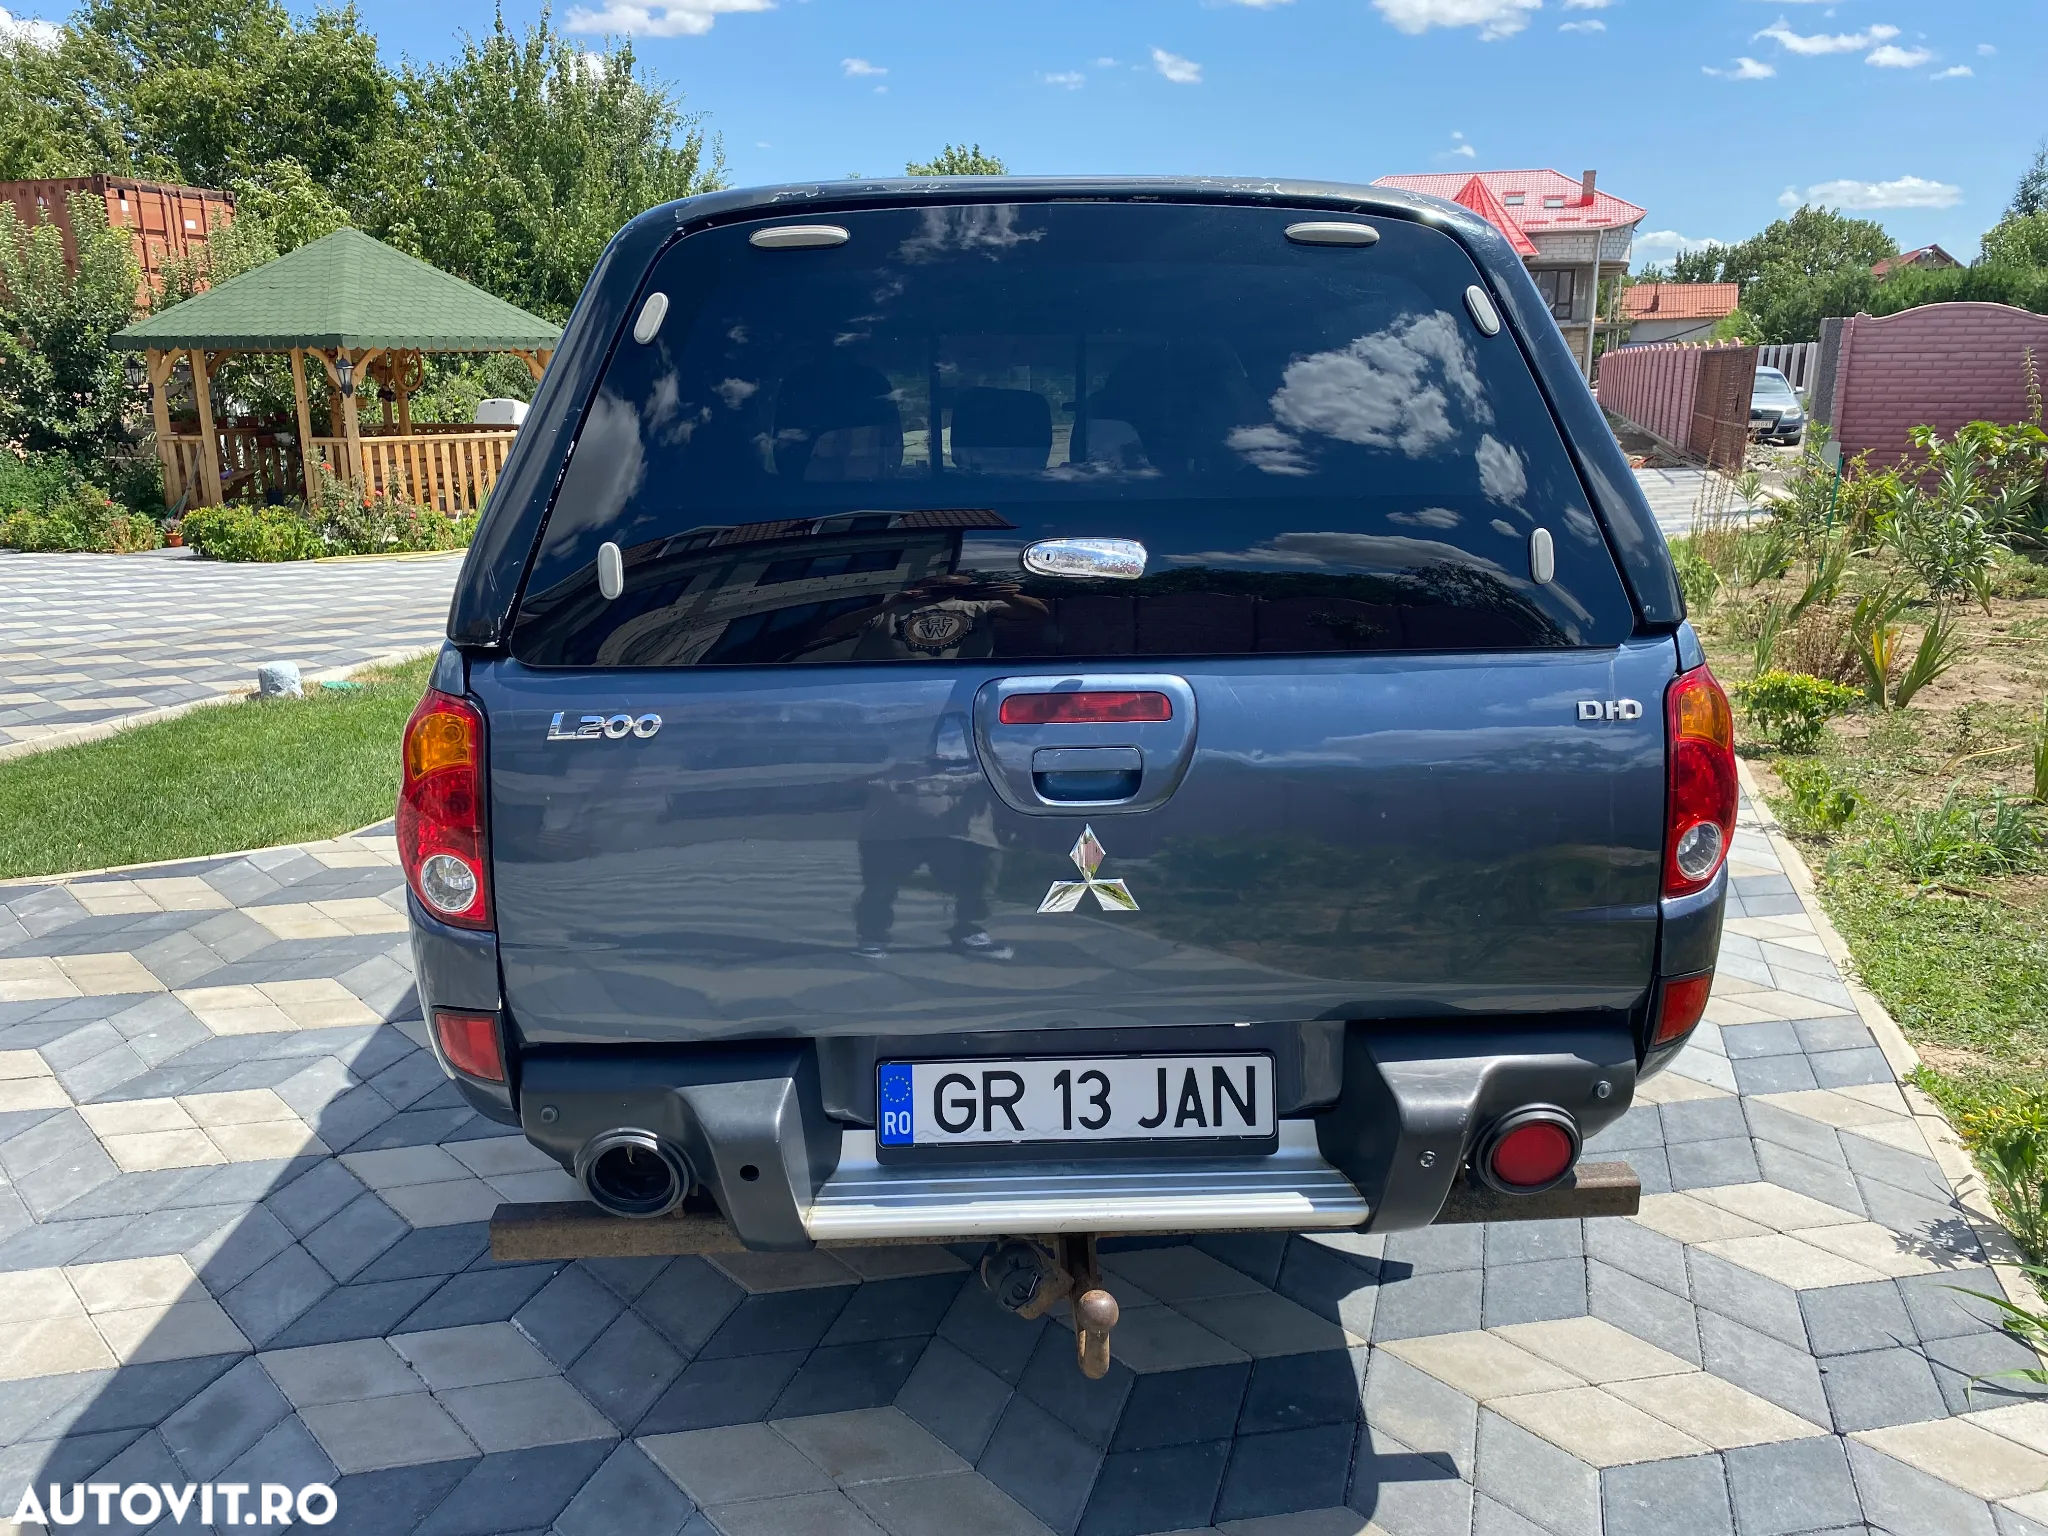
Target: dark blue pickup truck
(1025,709)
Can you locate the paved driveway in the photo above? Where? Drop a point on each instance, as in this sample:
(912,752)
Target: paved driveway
(242,1238)
(90,641)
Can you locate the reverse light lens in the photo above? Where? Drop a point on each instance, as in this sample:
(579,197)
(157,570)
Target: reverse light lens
(441,839)
(1101,708)
(470,1041)
(1533,1155)
(1701,791)
(1681,1001)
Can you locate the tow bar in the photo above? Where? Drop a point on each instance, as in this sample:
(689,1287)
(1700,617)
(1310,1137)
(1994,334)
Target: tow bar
(1029,1276)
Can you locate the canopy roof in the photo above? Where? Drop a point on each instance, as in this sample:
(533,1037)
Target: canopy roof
(343,290)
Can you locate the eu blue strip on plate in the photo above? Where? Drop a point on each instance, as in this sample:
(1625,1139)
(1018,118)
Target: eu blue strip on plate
(892,1093)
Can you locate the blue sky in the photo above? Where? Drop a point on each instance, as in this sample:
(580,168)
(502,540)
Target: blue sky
(1711,114)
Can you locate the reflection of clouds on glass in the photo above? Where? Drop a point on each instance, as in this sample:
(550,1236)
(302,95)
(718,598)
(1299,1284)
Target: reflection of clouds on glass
(1427,517)
(1341,552)
(1581,523)
(664,399)
(1388,389)
(736,392)
(605,470)
(737,335)
(1501,474)
(987,228)
(1508,529)
(1270,449)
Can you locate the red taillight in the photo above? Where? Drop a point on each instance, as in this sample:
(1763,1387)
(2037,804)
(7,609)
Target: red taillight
(470,1041)
(441,811)
(1700,798)
(1085,708)
(1679,1003)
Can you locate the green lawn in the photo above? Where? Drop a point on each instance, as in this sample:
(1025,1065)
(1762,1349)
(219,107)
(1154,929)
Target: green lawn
(217,780)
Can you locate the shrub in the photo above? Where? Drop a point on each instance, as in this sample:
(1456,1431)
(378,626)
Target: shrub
(253,533)
(1793,707)
(1961,838)
(1818,803)
(1697,578)
(30,482)
(79,518)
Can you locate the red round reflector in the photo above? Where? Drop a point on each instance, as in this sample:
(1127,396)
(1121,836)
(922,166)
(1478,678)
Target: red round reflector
(1533,1155)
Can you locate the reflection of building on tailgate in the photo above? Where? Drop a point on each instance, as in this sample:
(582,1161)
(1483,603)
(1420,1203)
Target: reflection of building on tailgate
(746,592)
(1571,236)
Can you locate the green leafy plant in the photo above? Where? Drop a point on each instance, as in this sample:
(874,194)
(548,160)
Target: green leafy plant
(80,518)
(1697,578)
(2039,749)
(1874,638)
(2014,1159)
(1941,642)
(1771,619)
(251,533)
(1817,803)
(1793,707)
(1961,838)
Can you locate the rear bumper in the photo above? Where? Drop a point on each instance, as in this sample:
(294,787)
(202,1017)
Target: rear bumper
(1389,1152)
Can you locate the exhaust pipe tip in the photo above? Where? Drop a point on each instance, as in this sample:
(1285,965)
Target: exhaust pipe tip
(633,1173)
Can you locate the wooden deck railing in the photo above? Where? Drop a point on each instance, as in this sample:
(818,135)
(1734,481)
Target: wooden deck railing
(450,467)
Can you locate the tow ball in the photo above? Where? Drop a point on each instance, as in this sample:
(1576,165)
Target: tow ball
(1028,1276)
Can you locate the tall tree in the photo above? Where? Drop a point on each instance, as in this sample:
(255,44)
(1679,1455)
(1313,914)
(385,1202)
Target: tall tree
(958,160)
(516,161)
(1701,264)
(61,389)
(1811,243)
(2031,195)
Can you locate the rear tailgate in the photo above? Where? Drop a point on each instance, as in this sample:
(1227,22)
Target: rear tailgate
(1415,762)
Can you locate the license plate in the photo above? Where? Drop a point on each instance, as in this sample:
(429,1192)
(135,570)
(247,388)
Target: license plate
(1093,1098)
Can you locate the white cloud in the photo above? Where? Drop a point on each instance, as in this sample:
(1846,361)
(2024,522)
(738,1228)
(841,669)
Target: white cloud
(1825,42)
(1495,19)
(1744,68)
(1891,56)
(1905,192)
(1587,5)
(1660,245)
(855,68)
(1256,5)
(1177,69)
(1986,49)
(1954,72)
(1461,148)
(681,18)
(27,29)
(1072,79)
(1582,26)
(1105,63)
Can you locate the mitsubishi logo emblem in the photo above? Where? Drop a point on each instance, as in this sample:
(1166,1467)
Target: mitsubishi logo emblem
(1110,895)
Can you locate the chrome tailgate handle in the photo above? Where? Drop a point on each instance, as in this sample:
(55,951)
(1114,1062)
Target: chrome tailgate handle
(1086,559)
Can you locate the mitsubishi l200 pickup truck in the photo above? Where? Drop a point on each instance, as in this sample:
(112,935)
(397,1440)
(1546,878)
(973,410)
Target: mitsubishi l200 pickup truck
(1025,709)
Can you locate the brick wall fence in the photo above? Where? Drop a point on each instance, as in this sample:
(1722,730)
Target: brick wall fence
(1694,397)
(1940,365)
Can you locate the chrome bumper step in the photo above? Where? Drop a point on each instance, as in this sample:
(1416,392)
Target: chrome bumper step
(1292,1189)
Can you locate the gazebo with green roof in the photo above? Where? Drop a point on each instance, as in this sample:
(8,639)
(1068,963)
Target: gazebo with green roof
(361,310)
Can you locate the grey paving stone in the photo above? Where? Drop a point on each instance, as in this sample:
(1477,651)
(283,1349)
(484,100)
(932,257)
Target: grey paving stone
(1843,1034)
(238,1249)
(161,1233)
(515,1490)
(1773,1074)
(911,1307)
(131,1194)
(47,1189)
(1536,1479)
(1903,1170)
(567,1313)
(1041,1463)
(224,1420)
(1405,1491)
(1880,1387)
(1810,1176)
(1661,1498)
(688,1303)
(1652,1167)
(1641,1126)
(1843,1069)
(979,1328)
(1793,1486)
(1286,1471)
(1971,1371)
(146,1460)
(1539,1292)
(1704,1164)
(480,1296)
(1772,1369)
(959,1400)
(1298,1391)
(1775,1038)
(1848,1319)
(288,1454)
(1516,1242)
(1332,1284)
(431,1251)
(58,1242)
(627,1496)
(625,1370)
(1089,1408)
(713,1393)
(626,1278)
(69,1460)
(1490,1517)
(1703,1120)
(776,1321)
(1936,1224)
(1426,1303)
(1434,1250)
(1747,1297)
(1648,1311)
(1942,1305)
(1897,1497)
(1770,1124)
(271,1299)
(1632,1247)
(43,1407)
(1422,1414)
(351,1239)
(1164,1488)
(361,1311)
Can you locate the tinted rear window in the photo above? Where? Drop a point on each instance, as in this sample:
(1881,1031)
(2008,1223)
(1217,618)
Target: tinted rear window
(839,454)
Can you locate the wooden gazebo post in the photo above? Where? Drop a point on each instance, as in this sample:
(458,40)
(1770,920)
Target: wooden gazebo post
(351,426)
(209,440)
(309,456)
(158,366)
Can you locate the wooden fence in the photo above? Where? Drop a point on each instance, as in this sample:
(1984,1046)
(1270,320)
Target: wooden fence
(450,467)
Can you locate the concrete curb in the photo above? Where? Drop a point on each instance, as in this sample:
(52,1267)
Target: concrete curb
(100,730)
(1942,1140)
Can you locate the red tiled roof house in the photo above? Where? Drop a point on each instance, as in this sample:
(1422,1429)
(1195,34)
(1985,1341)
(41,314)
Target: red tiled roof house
(1571,235)
(1677,311)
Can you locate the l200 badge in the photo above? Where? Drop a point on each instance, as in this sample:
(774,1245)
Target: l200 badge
(603,727)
